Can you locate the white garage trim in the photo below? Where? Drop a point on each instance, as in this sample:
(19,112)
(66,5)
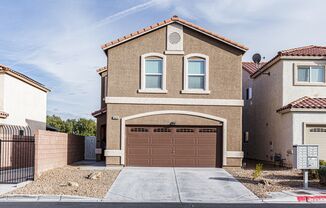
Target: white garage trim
(121,152)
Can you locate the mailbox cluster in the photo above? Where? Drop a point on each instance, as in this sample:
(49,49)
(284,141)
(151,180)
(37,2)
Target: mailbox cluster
(305,156)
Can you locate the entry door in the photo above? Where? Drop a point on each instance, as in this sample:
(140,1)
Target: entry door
(177,146)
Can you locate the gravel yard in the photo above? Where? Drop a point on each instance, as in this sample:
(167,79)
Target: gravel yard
(71,180)
(278,179)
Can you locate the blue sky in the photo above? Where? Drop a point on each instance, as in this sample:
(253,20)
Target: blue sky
(57,42)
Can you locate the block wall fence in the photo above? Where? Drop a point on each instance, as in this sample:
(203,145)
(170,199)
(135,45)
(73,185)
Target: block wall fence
(55,149)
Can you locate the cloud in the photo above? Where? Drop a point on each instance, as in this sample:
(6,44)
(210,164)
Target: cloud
(69,50)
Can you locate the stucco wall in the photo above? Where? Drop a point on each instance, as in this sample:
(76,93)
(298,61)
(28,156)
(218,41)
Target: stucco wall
(293,92)
(224,66)
(266,126)
(25,104)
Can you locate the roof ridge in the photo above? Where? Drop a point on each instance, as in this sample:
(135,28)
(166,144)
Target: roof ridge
(168,21)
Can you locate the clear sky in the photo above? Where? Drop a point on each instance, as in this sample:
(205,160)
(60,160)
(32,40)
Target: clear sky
(57,42)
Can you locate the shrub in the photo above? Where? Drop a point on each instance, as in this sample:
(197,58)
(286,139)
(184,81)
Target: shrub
(322,175)
(258,171)
(322,162)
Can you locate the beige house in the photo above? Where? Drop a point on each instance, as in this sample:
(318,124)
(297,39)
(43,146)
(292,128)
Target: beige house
(22,100)
(171,96)
(287,105)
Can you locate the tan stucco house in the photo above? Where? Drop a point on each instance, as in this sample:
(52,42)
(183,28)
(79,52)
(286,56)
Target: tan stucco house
(22,100)
(286,104)
(171,96)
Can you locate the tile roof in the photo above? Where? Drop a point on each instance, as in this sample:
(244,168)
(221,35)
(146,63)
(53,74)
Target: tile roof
(18,75)
(3,114)
(311,50)
(169,21)
(251,67)
(306,103)
(99,112)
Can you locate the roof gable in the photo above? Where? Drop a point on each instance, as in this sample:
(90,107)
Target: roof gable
(174,19)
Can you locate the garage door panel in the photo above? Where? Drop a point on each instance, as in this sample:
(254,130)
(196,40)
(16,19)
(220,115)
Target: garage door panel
(168,162)
(181,162)
(206,151)
(139,162)
(161,140)
(206,162)
(206,140)
(138,141)
(316,134)
(173,146)
(162,151)
(185,140)
(138,151)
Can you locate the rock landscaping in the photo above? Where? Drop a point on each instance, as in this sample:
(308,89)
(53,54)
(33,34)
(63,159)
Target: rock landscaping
(71,180)
(271,179)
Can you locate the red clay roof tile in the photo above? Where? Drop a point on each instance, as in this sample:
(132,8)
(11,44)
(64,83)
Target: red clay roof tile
(306,103)
(251,67)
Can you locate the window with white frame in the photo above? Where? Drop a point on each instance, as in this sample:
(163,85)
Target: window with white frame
(153,73)
(310,74)
(196,74)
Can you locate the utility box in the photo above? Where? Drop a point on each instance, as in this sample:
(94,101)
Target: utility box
(305,156)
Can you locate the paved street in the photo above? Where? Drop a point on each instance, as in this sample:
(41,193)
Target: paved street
(151,205)
(209,185)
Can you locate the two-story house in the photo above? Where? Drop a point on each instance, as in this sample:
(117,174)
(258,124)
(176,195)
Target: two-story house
(22,100)
(173,97)
(287,105)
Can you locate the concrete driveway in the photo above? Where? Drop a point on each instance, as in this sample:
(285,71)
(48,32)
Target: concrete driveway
(209,185)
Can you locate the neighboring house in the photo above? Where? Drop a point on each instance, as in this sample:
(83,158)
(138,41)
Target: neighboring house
(22,100)
(173,98)
(288,104)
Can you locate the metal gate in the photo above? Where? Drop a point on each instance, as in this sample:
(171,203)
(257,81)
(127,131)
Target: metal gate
(17,153)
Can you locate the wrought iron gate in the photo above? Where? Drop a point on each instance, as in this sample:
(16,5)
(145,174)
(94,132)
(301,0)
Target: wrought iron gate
(17,153)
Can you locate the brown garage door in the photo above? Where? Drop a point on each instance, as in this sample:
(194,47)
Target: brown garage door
(178,146)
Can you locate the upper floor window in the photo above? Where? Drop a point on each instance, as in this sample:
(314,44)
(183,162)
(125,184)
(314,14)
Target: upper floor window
(153,73)
(310,75)
(196,74)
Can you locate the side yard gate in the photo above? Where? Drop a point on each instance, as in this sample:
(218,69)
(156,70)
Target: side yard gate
(17,154)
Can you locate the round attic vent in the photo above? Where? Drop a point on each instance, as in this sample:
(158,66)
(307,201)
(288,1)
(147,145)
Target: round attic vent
(174,38)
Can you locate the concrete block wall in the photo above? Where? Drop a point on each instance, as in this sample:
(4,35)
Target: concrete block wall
(54,149)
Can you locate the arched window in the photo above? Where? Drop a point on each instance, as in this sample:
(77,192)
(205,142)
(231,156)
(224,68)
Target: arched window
(196,70)
(153,73)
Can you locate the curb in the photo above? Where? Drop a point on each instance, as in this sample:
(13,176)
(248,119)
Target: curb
(47,198)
